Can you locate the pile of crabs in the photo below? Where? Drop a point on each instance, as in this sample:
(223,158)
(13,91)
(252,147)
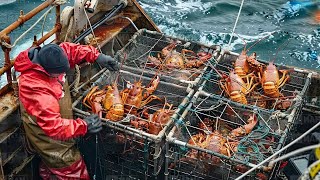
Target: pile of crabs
(248,76)
(115,105)
(217,136)
(169,58)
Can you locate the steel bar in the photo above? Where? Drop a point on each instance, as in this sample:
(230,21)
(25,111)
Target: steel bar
(7,64)
(6,68)
(166,168)
(24,18)
(58,22)
(15,85)
(56,29)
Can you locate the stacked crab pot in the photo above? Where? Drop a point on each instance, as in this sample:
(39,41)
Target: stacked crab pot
(140,104)
(241,114)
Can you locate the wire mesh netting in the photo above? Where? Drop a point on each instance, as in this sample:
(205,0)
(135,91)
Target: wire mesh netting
(144,58)
(214,139)
(178,61)
(120,154)
(220,81)
(139,135)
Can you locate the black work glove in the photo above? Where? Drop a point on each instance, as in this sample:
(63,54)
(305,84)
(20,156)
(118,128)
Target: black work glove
(94,123)
(108,62)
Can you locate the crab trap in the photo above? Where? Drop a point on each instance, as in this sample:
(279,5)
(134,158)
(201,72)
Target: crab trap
(177,61)
(132,143)
(228,80)
(217,139)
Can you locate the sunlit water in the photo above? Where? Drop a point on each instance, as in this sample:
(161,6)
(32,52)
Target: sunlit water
(293,27)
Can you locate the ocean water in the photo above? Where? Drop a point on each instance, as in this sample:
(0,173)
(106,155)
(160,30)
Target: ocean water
(292,27)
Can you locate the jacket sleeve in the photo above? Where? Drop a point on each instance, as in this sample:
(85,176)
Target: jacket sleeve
(77,53)
(45,107)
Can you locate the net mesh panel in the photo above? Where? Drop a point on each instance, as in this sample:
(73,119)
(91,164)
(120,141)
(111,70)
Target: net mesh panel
(223,116)
(139,160)
(295,85)
(147,44)
(120,153)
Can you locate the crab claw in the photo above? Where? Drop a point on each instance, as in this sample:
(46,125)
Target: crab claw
(252,122)
(246,129)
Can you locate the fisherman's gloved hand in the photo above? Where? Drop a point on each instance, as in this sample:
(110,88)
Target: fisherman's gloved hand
(108,62)
(94,123)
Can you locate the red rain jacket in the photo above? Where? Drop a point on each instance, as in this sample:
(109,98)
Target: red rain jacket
(39,93)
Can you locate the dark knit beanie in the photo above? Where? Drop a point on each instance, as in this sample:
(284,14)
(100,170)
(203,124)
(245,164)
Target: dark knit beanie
(53,59)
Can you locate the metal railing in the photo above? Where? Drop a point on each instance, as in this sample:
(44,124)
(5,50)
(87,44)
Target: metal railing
(6,40)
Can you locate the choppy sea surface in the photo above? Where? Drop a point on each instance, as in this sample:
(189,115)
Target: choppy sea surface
(292,27)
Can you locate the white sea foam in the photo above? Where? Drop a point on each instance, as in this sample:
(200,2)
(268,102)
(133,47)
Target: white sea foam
(291,9)
(178,5)
(4,2)
(20,47)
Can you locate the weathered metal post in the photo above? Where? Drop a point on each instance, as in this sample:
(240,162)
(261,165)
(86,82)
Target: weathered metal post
(25,18)
(7,62)
(58,22)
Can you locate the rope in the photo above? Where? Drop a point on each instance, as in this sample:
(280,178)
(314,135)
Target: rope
(278,152)
(44,21)
(76,82)
(69,28)
(23,34)
(59,2)
(298,151)
(235,24)
(94,37)
(254,153)
(249,142)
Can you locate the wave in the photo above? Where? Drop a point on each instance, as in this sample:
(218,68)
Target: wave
(5,2)
(311,42)
(290,9)
(175,7)
(21,47)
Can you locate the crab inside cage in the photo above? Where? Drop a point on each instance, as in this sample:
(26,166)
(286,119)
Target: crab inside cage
(248,81)
(217,139)
(178,61)
(137,111)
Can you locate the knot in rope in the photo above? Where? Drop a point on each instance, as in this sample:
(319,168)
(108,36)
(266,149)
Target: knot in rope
(7,45)
(278,114)
(76,82)
(59,2)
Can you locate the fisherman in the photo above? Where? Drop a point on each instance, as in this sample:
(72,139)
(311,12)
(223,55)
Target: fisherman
(41,92)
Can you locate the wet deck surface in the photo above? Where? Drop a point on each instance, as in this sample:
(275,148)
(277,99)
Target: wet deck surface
(106,32)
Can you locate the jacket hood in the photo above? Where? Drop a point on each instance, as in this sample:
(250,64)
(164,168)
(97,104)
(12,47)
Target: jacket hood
(23,63)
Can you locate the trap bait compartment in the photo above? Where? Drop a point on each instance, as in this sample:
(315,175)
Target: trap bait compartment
(185,159)
(145,43)
(121,148)
(294,90)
